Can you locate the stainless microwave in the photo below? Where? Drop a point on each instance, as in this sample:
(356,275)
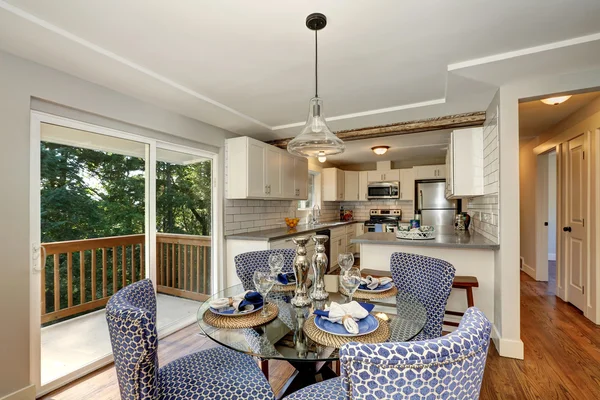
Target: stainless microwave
(383,190)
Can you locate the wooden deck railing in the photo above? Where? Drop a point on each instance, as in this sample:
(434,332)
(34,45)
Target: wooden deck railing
(81,275)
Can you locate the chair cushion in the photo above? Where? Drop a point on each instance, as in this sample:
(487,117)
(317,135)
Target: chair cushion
(330,389)
(213,374)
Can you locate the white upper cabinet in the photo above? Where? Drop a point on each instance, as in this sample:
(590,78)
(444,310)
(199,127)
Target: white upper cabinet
(464,162)
(407,184)
(333,184)
(256,170)
(430,172)
(363,183)
(380,176)
(351,186)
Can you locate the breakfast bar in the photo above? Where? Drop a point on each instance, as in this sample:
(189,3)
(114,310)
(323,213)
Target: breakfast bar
(470,253)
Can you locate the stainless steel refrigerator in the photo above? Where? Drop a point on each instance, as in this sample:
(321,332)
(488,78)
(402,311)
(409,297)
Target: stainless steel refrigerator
(435,208)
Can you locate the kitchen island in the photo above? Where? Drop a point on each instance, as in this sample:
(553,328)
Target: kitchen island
(470,253)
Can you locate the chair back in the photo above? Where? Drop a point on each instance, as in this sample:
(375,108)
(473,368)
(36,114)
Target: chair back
(429,280)
(131,318)
(247,263)
(450,367)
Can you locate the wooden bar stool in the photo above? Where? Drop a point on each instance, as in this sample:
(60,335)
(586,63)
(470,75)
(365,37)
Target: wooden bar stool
(467,283)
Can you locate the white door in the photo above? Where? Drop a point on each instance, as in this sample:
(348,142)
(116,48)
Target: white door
(351,185)
(375,176)
(363,182)
(288,187)
(301,177)
(257,186)
(340,184)
(407,184)
(273,171)
(392,175)
(574,232)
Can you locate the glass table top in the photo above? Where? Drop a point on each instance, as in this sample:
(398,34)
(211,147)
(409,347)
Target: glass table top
(283,337)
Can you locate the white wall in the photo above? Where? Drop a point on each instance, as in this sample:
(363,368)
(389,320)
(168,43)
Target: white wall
(552,206)
(20,81)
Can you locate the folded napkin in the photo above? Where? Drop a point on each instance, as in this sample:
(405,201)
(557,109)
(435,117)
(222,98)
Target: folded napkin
(346,314)
(287,278)
(373,283)
(246,301)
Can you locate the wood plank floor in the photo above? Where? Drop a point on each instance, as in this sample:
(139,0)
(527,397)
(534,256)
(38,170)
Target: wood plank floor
(562,356)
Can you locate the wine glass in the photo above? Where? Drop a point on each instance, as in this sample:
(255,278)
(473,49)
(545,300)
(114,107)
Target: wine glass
(263,281)
(346,261)
(350,281)
(276,263)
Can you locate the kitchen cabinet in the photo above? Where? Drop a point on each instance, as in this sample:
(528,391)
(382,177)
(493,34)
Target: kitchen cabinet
(380,176)
(407,184)
(256,170)
(333,184)
(464,163)
(430,172)
(338,245)
(363,183)
(351,187)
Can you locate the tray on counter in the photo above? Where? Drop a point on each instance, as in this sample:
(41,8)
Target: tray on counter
(407,235)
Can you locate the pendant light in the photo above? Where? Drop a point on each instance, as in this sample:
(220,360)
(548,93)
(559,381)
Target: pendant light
(316,139)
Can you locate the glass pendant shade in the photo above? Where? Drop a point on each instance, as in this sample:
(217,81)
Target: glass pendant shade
(316,139)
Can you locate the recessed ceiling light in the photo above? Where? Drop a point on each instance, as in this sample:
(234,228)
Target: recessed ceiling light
(554,101)
(380,150)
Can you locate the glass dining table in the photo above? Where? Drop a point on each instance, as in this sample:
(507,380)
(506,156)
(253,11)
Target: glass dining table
(283,338)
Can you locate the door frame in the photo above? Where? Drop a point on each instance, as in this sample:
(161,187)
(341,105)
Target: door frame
(541,216)
(36,119)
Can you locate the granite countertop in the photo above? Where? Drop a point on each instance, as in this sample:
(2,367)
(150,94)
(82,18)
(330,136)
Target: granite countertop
(282,233)
(446,239)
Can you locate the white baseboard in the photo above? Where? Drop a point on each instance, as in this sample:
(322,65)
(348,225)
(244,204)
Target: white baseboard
(27,393)
(508,347)
(528,270)
(551,256)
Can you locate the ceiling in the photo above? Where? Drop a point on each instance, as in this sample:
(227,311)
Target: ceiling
(248,66)
(536,117)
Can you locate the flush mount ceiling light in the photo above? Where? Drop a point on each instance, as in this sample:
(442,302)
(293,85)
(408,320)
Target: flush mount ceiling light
(321,157)
(316,139)
(554,101)
(380,150)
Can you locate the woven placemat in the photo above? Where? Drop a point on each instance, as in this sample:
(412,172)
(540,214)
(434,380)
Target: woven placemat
(364,295)
(381,334)
(290,287)
(245,321)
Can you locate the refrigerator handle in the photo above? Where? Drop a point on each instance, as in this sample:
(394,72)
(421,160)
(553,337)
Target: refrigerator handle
(420,199)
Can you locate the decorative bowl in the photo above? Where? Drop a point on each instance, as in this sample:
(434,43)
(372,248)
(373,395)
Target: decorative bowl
(292,222)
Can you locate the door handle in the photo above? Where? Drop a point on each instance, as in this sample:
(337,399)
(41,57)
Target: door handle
(567,229)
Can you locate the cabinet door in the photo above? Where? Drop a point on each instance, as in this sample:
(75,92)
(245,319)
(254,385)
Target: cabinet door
(440,171)
(425,172)
(288,187)
(282,244)
(340,184)
(301,178)
(407,184)
(392,175)
(363,183)
(334,251)
(351,185)
(273,172)
(375,176)
(257,187)
(330,183)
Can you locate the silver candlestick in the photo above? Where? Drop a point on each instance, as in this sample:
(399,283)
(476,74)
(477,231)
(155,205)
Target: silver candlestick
(301,267)
(319,264)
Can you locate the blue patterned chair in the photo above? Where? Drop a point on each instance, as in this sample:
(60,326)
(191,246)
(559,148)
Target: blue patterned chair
(247,263)
(450,367)
(216,373)
(429,280)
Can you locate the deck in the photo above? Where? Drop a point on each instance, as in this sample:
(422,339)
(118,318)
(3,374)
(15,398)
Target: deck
(70,345)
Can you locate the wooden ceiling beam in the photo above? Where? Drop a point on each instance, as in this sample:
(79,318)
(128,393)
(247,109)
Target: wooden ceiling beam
(404,128)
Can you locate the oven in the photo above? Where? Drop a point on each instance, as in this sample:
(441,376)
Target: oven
(383,190)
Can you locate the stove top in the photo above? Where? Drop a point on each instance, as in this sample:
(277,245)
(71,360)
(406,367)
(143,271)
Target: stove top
(385,216)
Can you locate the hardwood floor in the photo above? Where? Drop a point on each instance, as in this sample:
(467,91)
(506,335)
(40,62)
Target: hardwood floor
(562,356)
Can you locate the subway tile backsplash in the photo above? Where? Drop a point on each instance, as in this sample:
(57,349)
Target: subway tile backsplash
(484,212)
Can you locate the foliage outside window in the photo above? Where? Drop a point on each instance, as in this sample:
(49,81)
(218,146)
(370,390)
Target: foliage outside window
(312,198)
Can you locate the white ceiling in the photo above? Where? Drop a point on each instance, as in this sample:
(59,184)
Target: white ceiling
(536,117)
(248,66)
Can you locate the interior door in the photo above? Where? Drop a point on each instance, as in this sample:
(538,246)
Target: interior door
(575,236)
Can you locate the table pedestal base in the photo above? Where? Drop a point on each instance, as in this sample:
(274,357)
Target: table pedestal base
(306,374)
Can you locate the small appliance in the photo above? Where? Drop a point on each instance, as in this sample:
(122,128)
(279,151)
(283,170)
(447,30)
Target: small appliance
(383,220)
(383,190)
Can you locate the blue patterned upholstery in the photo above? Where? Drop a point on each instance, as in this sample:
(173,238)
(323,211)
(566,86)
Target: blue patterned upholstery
(429,280)
(216,373)
(450,367)
(247,263)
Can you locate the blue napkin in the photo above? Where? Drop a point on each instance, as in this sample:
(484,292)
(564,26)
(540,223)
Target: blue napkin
(253,298)
(366,306)
(286,278)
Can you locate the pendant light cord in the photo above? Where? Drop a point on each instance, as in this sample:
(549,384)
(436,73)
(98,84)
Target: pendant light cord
(316,63)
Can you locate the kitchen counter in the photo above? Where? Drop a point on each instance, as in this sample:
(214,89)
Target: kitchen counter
(282,233)
(449,240)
